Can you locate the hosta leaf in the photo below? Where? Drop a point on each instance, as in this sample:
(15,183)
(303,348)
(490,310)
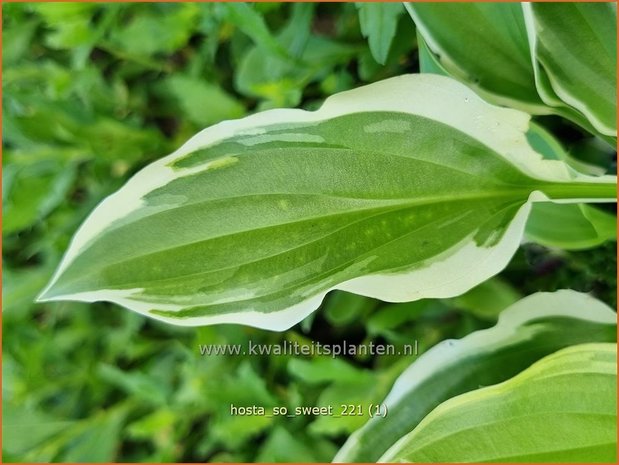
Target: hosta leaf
(408,188)
(561,409)
(484,45)
(428,62)
(532,328)
(574,50)
(570,226)
(546,144)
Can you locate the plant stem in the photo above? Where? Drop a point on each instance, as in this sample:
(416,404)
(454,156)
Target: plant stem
(582,190)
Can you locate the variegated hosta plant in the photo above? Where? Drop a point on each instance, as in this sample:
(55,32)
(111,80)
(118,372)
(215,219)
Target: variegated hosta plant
(417,186)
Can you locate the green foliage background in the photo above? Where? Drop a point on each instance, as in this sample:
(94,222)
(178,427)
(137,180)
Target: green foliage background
(94,92)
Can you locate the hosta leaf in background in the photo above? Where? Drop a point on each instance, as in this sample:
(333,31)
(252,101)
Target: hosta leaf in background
(378,24)
(570,227)
(483,45)
(574,48)
(428,62)
(253,221)
(532,328)
(544,142)
(562,409)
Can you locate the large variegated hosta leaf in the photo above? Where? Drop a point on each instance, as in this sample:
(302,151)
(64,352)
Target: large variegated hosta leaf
(407,188)
(574,51)
(530,329)
(562,409)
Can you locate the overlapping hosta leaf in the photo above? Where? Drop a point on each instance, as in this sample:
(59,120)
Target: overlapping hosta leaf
(570,226)
(574,50)
(408,188)
(562,409)
(428,62)
(530,329)
(545,143)
(485,46)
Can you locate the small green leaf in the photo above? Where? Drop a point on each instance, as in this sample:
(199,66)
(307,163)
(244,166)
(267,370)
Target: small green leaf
(281,82)
(24,428)
(489,299)
(16,42)
(202,102)
(342,308)
(326,369)
(252,23)
(378,24)
(562,409)
(19,289)
(30,192)
(530,329)
(282,446)
(100,441)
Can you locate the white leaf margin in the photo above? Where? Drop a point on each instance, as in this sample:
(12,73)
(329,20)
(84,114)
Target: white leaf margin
(452,273)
